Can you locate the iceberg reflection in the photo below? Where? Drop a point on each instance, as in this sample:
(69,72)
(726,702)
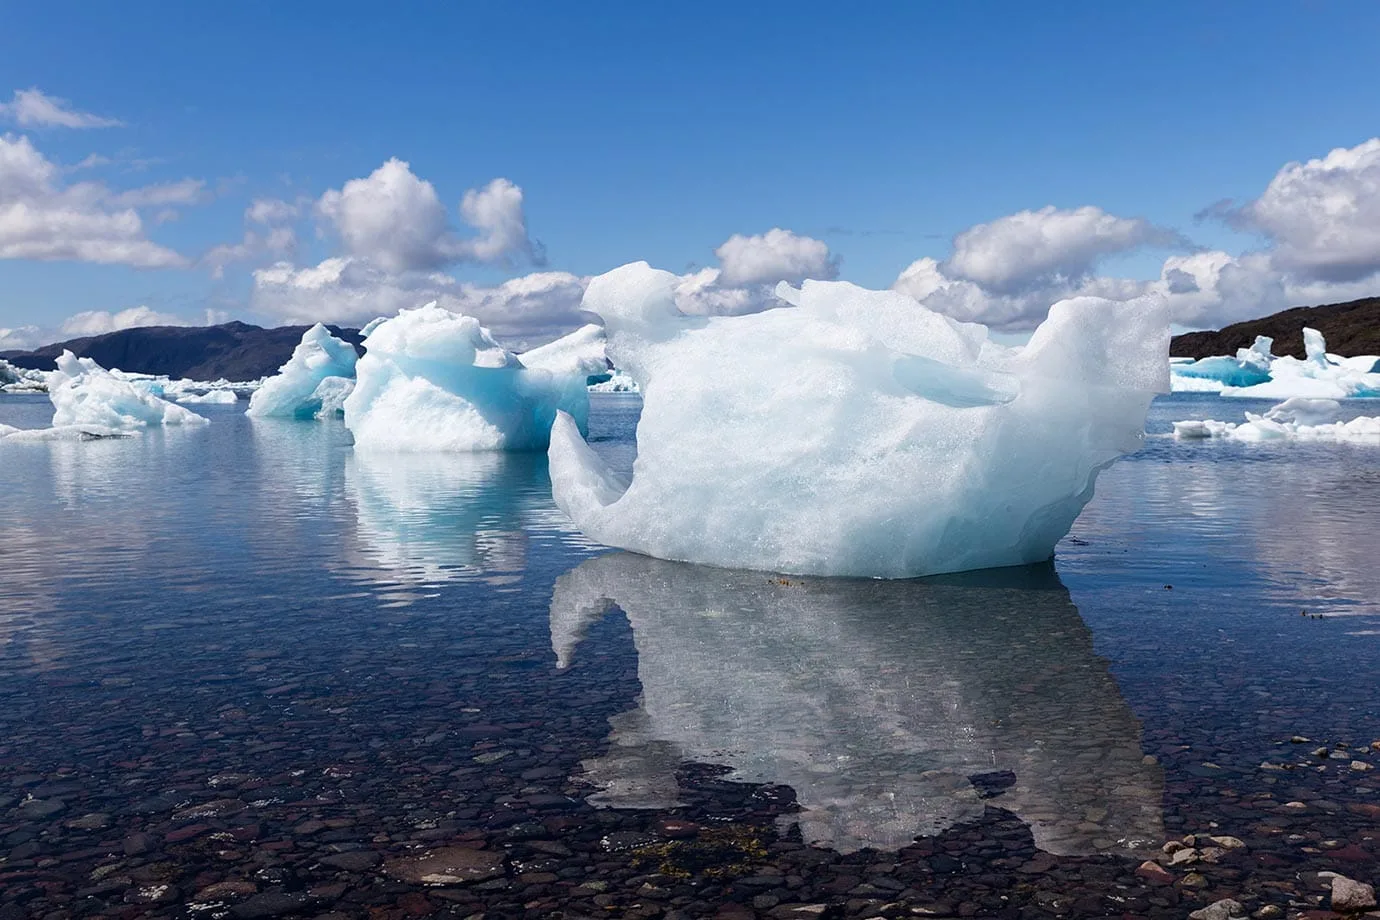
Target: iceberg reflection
(894,709)
(427,519)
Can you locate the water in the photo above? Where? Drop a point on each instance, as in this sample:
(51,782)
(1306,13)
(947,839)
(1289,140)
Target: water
(242,663)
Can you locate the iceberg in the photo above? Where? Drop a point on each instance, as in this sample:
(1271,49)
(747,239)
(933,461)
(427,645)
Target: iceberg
(433,380)
(314,381)
(1250,366)
(1298,419)
(855,432)
(21,380)
(614,381)
(86,395)
(1257,374)
(209,398)
(922,702)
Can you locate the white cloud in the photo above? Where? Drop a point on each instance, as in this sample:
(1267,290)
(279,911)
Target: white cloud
(98,322)
(44,220)
(1323,216)
(496,212)
(269,233)
(1030,248)
(181,192)
(20,338)
(530,308)
(777,255)
(396,221)
(31,108)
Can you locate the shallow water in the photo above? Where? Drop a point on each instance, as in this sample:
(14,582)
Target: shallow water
(246,670)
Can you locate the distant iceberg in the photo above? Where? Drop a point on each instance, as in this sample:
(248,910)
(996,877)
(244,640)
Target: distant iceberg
(1257,374)
(434,380)
(84,393)
(21,380)
(1298,419)
(857,433)
(614,381)
(1249,367)
(313,383)
(209,398)
(892,709)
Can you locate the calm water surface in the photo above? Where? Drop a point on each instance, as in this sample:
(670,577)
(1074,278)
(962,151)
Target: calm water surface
(248,672)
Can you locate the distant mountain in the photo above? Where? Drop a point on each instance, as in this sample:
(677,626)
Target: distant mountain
(235,351)
(1350,329)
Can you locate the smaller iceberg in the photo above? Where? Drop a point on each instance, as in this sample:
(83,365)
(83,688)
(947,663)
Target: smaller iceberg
(313,383)
(85,394)
(1257,374)
(209,398)
(1250,367)
(433,380)
(614,381)
(21,380)
(1298,419)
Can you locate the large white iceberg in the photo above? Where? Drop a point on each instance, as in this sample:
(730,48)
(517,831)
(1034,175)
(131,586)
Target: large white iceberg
(1298,419)
(85,394)
(857,433)
(892,708)
(431,380)
(314,381)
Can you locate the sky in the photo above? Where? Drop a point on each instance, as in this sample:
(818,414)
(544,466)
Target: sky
(275,163)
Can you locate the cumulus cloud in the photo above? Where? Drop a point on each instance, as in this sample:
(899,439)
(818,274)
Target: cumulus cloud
(20,338)
(777,255)
(1322,217)
(396,221)
(42,219)
(269,232)
(1029,248)
(99,322)
(528,309)
(32,108)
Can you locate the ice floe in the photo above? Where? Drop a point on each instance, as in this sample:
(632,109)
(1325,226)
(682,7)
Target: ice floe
(435,380)
(1257,374)
(1300,419)
(313,383)
(856,432)
(84,393)
(922,702)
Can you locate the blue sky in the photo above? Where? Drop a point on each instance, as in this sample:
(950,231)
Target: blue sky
(657,132)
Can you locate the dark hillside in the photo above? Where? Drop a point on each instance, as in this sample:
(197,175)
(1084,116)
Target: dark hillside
(1350,329)
(235,351)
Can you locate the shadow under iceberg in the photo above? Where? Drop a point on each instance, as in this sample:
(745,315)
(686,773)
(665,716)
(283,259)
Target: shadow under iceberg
(894,709)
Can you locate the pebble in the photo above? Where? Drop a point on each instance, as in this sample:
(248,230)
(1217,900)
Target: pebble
(1225,909)
(1350,895)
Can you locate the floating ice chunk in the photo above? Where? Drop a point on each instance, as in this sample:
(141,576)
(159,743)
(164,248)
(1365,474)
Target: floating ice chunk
(1297,419)
(209,398)
(331,394)
(924,699)
(60,433)
(85,394)
(616,382)
(1304,411)
(580,354)
(1249,367)
(857,433)
(1318,376)
(435,380)
(293,393)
